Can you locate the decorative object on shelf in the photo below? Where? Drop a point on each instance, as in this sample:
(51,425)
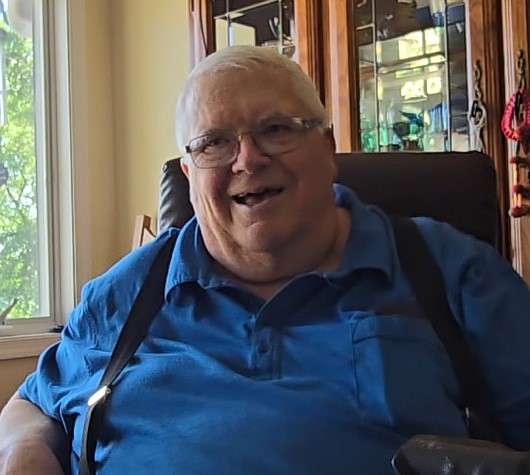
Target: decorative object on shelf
(515,126)
(478,113)
(411,134)
(282,42)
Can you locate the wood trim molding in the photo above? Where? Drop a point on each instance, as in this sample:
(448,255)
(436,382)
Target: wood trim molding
(202,31)
(485,33)
(326,63)
(344,77)
(26,346)
(308,36)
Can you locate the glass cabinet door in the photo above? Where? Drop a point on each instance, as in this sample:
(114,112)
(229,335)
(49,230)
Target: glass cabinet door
(267,23)
(293,27)
(413,89)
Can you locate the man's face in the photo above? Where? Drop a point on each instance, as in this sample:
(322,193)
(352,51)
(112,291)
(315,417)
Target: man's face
(258,202)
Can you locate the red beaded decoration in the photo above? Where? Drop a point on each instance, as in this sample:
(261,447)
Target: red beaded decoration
(515,126)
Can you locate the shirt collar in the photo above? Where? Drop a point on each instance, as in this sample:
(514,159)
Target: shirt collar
(191,261)
(369,246)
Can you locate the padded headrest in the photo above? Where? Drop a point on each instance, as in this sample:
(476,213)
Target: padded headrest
(455,187)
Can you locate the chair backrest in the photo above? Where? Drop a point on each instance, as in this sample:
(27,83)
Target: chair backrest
(458,188)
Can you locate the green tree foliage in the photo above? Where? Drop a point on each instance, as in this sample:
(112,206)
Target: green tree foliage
(18,200)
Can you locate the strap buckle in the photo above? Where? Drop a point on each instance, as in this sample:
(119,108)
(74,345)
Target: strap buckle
(480,426)
(98,396)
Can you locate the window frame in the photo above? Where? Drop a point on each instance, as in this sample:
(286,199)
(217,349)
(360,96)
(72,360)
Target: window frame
(68,238)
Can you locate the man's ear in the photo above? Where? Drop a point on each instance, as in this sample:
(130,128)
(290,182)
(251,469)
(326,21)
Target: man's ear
(330,138)
(185,167)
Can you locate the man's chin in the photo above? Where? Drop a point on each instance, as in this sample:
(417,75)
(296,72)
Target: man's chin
(261,237)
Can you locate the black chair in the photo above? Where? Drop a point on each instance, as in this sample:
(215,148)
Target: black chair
(458,188)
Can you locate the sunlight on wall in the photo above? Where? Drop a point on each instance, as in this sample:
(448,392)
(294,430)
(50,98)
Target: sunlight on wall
(150,61)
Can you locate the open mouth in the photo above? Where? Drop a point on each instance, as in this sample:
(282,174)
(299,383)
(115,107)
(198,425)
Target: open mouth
(253,199)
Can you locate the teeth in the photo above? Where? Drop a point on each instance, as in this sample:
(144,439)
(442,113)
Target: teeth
(251,193)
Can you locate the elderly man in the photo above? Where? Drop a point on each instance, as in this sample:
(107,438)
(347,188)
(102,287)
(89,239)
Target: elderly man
(283,345)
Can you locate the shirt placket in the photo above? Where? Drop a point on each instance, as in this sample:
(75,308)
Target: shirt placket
(265,346)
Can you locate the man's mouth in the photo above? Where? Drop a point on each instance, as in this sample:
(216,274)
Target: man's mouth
(255,198)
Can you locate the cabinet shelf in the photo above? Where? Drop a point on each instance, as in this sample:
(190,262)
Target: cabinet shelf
(388,67)
(238,8)
(410,67)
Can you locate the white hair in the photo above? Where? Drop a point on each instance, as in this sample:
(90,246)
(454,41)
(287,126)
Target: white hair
(248,58)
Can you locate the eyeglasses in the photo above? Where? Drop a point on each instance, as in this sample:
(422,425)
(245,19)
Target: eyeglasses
(272,137)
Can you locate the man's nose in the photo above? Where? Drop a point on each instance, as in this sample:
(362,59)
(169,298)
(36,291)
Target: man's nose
(250,158)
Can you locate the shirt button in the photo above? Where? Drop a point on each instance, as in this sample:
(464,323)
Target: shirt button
(263,346)
(248,327)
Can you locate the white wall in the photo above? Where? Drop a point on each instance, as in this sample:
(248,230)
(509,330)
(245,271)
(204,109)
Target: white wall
(150,62)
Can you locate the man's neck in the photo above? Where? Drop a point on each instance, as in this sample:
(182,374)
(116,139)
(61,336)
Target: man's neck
(266,273)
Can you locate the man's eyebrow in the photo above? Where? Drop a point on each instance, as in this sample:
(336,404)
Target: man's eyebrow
(277,115)
(218,130)
(227,130)
(273,117)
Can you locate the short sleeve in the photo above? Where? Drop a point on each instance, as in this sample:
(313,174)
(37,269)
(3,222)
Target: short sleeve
(68,372)
(62,370)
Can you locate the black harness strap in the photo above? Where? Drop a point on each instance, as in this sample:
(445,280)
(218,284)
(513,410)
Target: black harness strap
(145,307)
(428,285)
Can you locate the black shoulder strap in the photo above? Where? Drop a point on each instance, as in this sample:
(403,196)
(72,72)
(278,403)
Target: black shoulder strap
(143,311)
(428,284)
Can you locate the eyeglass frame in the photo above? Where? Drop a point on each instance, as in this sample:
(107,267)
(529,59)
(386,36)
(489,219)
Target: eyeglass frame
(305,124)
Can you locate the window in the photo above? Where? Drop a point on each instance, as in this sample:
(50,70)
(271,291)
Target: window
(36,232)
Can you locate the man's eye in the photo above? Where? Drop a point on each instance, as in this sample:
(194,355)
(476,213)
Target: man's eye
(211,143)
(277,129)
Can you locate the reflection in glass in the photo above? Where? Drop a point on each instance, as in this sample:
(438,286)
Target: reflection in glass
(412,74)
(268,23)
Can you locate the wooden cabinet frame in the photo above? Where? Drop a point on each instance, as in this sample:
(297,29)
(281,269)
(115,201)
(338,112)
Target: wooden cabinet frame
(343,86)
(485,39)
(308,40)
(202,32)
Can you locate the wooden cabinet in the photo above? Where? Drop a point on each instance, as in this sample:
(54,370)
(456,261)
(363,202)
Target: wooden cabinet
(372,60)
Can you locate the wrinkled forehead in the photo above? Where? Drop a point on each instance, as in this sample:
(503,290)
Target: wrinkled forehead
(232,77)
(236,97)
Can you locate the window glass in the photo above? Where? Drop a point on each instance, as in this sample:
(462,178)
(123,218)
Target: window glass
(24,226)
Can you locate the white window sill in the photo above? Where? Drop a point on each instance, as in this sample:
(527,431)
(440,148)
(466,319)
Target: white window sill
(25,346)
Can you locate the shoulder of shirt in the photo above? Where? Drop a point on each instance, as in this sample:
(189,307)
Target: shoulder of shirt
(455,251)
(120,284)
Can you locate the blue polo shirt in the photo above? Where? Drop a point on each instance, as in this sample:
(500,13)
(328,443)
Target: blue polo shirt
(330,376)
